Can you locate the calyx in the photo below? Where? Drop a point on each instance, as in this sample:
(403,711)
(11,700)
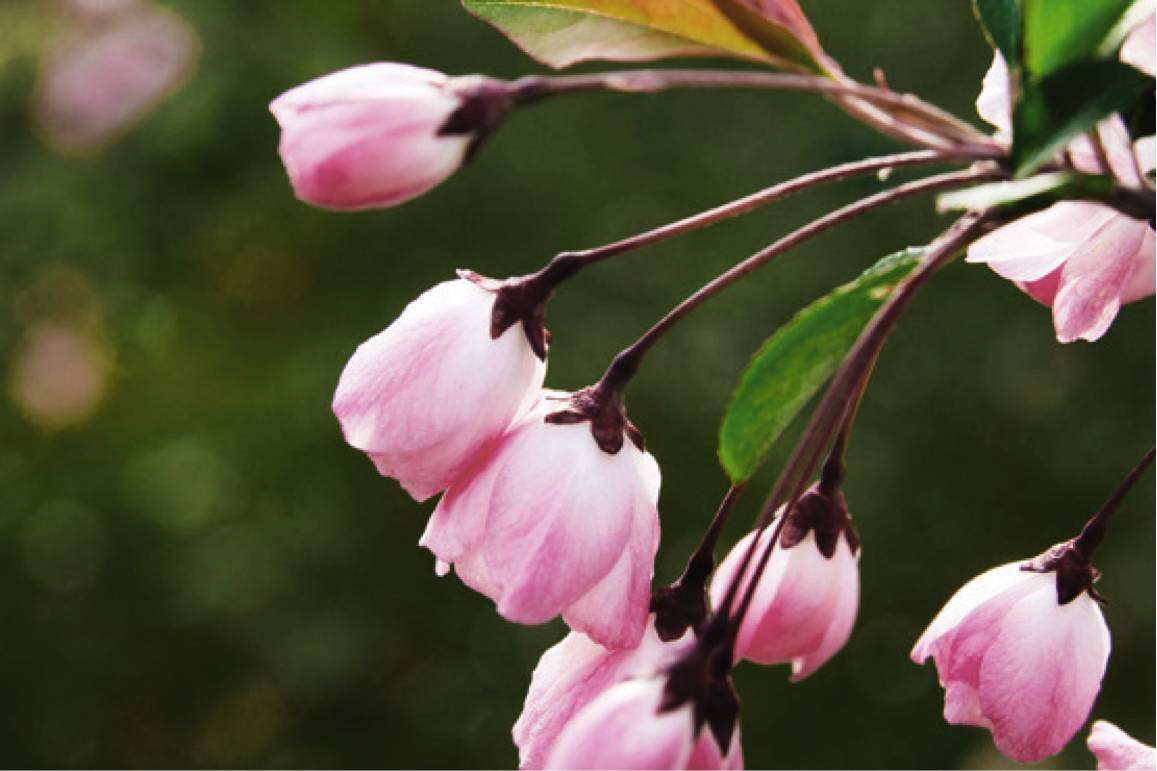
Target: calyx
(703,678)
(519,300)
(822,510)
(601,406)
(1075,574)
(483,104)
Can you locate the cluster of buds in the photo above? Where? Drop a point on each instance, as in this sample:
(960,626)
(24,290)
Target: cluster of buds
(550,500)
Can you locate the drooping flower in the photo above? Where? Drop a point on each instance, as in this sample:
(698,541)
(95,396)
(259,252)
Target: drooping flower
(805,604)
(374,135)
(548,523)
(1016,660)
(1118,751)
(425,397)
(577,670)
(1084,260)
(113,65)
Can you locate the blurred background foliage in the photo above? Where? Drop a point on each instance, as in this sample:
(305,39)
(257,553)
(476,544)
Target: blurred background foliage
(196,570)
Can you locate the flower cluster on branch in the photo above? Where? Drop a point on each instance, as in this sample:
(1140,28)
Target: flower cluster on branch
(549,500)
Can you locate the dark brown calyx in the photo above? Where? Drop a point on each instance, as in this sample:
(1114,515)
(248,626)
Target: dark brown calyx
(484,103)
(677,608)
(603,408)
(821,510)
(703,677)
(1075,574)
(520,300)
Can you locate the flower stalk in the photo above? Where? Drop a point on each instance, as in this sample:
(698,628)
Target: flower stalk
(902,116)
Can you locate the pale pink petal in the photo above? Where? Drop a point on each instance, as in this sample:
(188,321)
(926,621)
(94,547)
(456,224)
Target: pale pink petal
(1042,672)
(571,675)
(1141,283)
(967,599)
(548,523)
(560,516)
(1146,150)
(959,653)
(1118,146)
(1118,751)
(425,396)
(841,617)
(708,756)
(1095,278)
(994,103)
(624,729)
(1140,48)
(1031,247)
(614,611)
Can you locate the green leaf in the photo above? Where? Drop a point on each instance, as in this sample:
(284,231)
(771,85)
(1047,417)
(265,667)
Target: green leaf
(1001,20)
(1058,108)
(1059,33)
(793,364)
(1028,195)
(562,32)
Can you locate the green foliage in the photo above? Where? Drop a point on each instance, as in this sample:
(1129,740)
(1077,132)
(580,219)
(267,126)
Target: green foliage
(1059,33)
(1061,82)
(1001,21)
(792,365)
(1052,111)
(562,32)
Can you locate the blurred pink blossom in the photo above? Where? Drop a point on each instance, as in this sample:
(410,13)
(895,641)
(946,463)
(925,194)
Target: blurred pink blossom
(59,376)
(116,62)
(424,397)
(1015,661)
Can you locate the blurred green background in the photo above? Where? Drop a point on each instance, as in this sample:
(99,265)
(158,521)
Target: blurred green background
(196,571)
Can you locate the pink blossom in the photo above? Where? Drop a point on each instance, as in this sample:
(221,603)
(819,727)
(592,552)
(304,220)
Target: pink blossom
(625,728)
(1015,661)
(548,523)
(109,71)
(369,136)
(804,607)
(577,670)
(1140,47)
(1118,751)
(425,396)
(572,674)
(1082,259)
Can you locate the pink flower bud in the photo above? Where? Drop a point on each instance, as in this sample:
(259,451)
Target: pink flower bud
(804,607)
(577,670)
(1015,661)
(424,397)
(549,523)
(1118,751)
(369,136)
(626,728)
